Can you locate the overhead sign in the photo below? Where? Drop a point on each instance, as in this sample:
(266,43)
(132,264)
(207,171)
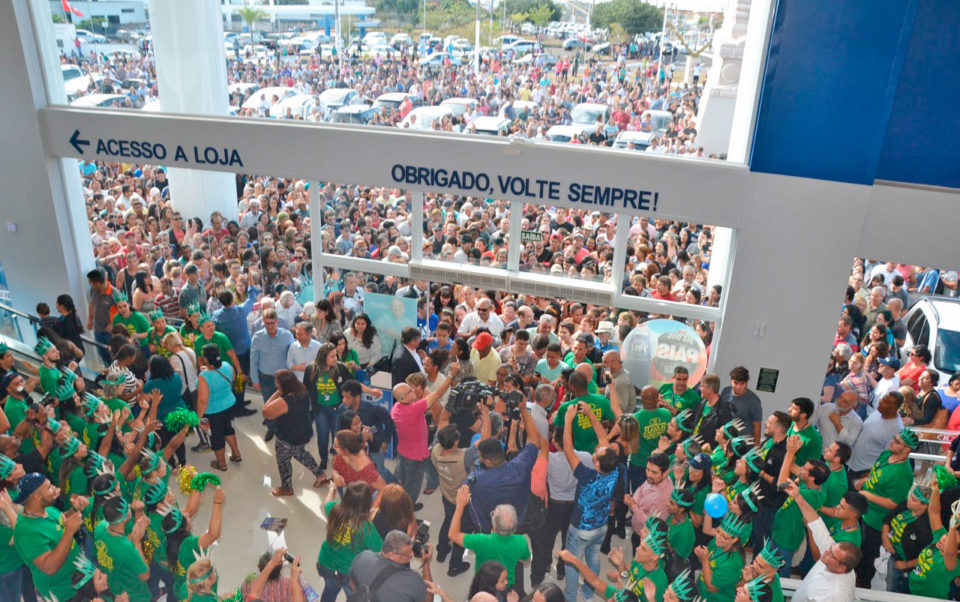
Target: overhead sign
(502,185)
(157,151)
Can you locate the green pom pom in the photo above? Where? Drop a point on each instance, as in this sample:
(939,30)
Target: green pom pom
(203,479)
(178,419)
(945,479)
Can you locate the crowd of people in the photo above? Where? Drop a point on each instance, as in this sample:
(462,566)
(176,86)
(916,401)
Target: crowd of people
(515,411)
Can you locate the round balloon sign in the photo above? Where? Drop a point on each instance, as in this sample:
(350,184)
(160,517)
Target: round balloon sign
(652,351)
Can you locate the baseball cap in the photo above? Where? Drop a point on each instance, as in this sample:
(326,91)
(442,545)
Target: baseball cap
(585,337)
(7,379)
(701,462)
(890,361)
(27,485)
(483,340)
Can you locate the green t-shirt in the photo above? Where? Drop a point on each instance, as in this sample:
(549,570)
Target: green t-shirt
(122,562)
(9,559)
(34,537)
(834,488)
(508,549)
(776,589)
(584,439)
(812,443)
(156,339)
(930,577)
(136,323)
(727,567)
(186,555)
(852,535)
(892,481)
(699,499)
(327,393)
(49,378)
(76,483)
(219,339)
(189,334)
(653,425)
(339,556)
(155,541)
(681,537)
(16,411)
(687,399)
(897,525)
(637,575)
(789,528)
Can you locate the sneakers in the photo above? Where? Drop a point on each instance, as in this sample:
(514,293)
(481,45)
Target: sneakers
(200,447)
(442,554)
(269,436)
(246,412)
(418,507)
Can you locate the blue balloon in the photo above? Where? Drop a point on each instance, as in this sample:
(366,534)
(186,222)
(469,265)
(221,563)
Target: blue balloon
(715,505)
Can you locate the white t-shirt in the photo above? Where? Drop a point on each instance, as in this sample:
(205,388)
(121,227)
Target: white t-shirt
(820,585)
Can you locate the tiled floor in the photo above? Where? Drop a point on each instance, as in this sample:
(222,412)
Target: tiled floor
(249,502)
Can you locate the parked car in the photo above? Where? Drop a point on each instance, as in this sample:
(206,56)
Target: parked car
(355,114)
(603,48)
(640,140)
(585,115)
(100,100)
(574,44)
(334,98)
(435,61)
(459,105)
(562,133)
(392,101)
(422,118)
(935,322)
(401,39)
(545,59)
(384,51)
(267,94)
(490,126)
(299,105)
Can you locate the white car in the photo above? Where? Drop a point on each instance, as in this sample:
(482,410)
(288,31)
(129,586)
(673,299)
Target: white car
(122,55)
(99,100)
(401,39)
(299,105)
(392,101)
(334,98)
(422,118)
(459,105)
(584,116)
(935,323)
(436,60)
(640,140)
(265,95)
(384,51)
(353,114)
(562,133)
(490,126)
(374,37)
(245,88)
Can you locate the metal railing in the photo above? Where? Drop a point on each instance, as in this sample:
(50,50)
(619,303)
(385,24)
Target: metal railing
(21,327)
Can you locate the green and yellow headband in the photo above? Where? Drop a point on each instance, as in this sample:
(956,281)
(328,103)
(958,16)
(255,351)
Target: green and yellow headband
(682,586)
(83,566)
(156,315)
(732,525)
(43,346)
(124,509)
(771,554)
(177,520)
(757,588)
(70,448)
(909,438)
(120,296)
(7,466)
(656,540)
(155,493)
(679,497)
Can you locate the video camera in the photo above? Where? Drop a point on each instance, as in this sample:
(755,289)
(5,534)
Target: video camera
(466,398)
(421,537)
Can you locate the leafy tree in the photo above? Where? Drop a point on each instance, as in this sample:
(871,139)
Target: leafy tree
(251,15)
(635,16)
(58,19)
(527,7)
(541,15)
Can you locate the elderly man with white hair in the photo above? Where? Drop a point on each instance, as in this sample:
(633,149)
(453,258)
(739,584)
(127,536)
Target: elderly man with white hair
(288,309)
(267,303)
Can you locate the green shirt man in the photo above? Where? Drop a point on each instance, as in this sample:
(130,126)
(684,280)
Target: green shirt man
(891,481)
(812,443)
(508,549)
(653,425)
(34,536)
(680,401)
(931,577)
(584,438)
(836,485)
(789,528)
(122,562)
(135,323)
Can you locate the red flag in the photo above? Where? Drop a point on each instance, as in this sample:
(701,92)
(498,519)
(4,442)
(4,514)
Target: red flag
(69,9)
(405,106)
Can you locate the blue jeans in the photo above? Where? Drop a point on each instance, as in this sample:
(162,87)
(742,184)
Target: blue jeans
(784,571)
(637,476)
(267,386)
(325,417)
(10,588)
(896,579)
(332,583)
(410,475)
(433,479)
(103,338)
(586,545)
(378,459)
(158,574)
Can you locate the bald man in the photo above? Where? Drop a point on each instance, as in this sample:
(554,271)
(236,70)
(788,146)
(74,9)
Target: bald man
(619,379)
(838,421)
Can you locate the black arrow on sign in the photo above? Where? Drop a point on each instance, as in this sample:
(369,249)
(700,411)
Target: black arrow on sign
(77,142)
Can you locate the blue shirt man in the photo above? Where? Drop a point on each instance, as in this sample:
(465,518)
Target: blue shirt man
(231,320)
(268,353)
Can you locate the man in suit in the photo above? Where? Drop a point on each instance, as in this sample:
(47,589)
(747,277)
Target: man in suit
(406,360)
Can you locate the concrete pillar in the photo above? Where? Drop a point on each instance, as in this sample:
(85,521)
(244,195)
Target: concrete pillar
(192,78)
(720,93)
(44,237)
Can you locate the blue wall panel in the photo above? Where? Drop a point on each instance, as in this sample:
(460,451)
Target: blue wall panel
(922,143)
(828,87)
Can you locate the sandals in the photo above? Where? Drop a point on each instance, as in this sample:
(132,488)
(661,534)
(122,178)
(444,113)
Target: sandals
(321,481)
(281,492)
(220,467)
(429,490)
(236,459)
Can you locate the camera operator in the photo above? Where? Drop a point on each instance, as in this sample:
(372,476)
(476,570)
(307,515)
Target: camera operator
(20,446)
(498,481)
(389,571)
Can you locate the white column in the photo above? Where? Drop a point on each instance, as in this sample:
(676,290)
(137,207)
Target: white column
(415,199)
(192,78)
(513,242)
(44,236)
(316,241)
(720,257)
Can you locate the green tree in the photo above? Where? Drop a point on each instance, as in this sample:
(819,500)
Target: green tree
(541,15)
(635,16)
(58,19)
(251,15)
(528,7)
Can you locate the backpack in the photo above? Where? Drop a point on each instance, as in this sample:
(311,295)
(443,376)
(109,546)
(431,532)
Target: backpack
(368,593)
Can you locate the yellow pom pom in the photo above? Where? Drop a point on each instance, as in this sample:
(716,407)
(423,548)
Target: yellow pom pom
(186,477)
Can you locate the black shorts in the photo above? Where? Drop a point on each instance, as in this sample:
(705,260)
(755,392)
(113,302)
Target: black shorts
(221,426)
